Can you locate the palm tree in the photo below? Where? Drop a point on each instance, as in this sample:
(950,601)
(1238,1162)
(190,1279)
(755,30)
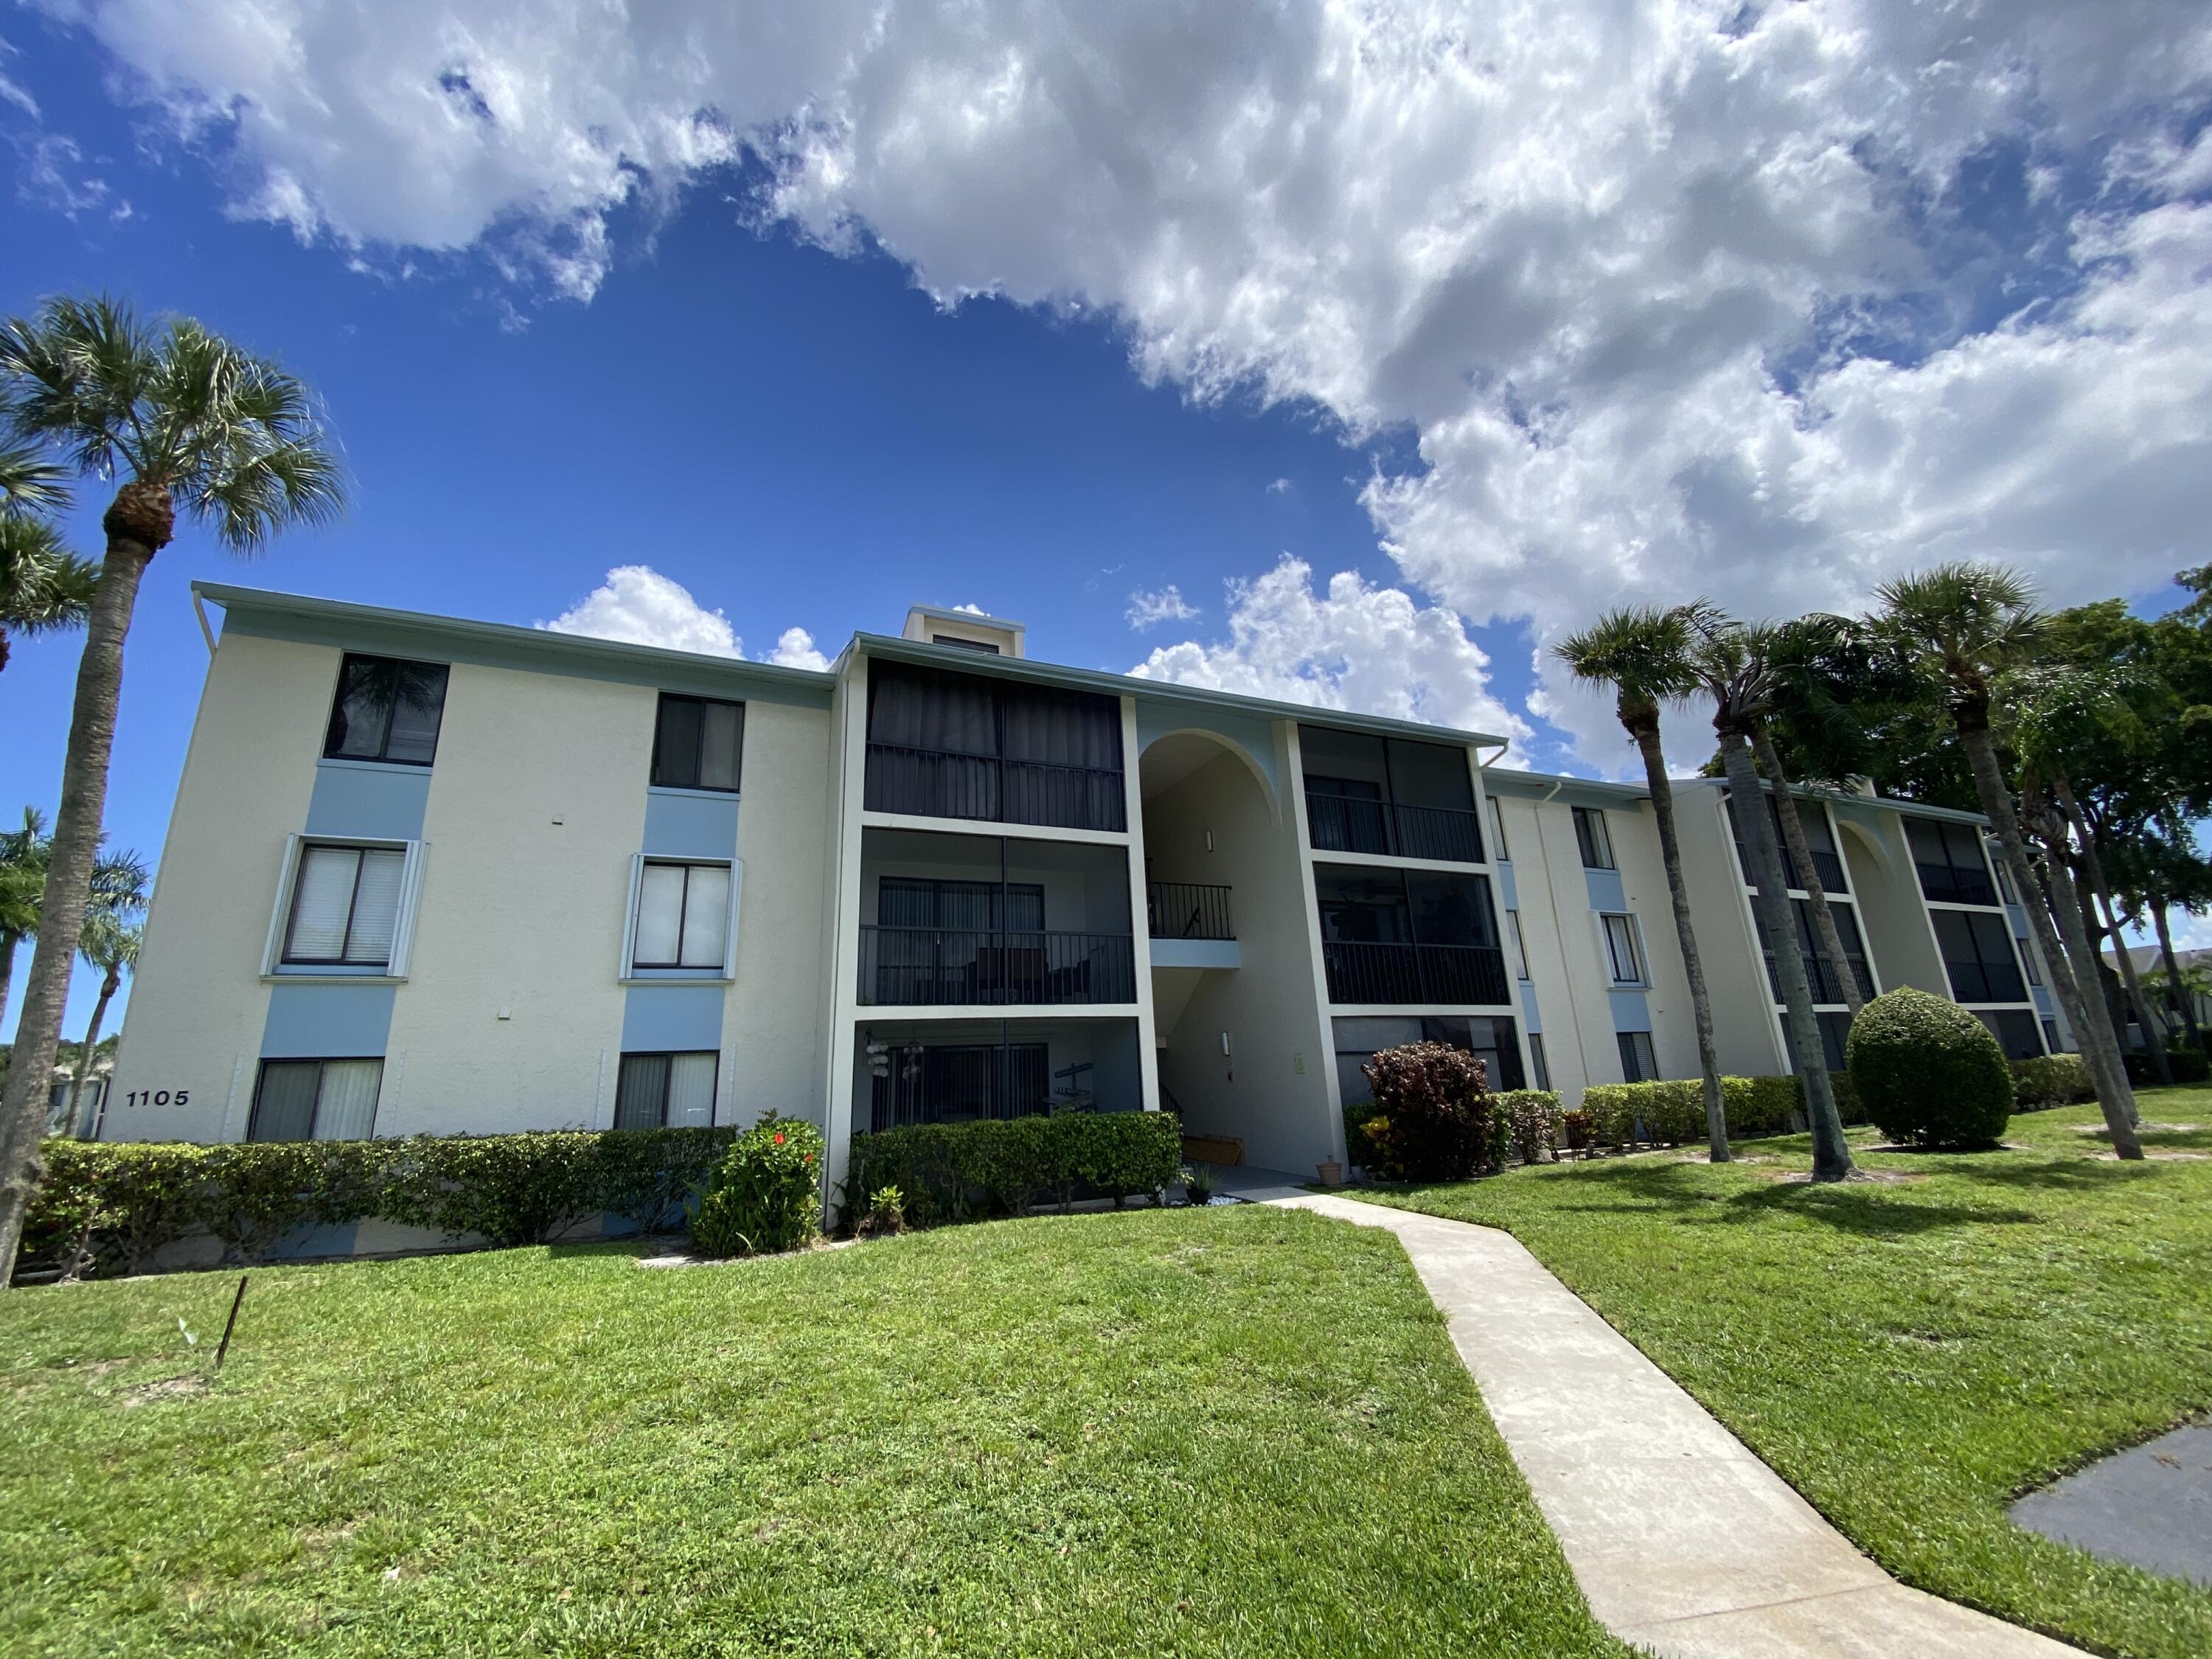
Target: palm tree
(43,585)
(1643,652)
(188,422)
(111,944)
(1734,663)
(1961,626)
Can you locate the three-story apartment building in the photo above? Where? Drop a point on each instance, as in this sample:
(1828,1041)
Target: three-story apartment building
(427,875)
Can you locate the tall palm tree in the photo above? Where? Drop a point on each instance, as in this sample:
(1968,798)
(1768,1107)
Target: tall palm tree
(43,585)
(1795,651)
(185,421)
(1733,663)
(1643,652)
(110,945)
(1961,626)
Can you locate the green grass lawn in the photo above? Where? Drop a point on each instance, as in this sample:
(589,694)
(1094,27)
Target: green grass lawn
(1234,1431)
(1912,1355)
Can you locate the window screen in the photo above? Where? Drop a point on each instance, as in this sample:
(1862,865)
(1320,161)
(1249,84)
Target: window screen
(1626,960)
(345,906)
(1519,947)
(315,1100)
(698,743)
(1497,823)
(1638,1063)
(387,709)
(683,916)
(1537,1061)
(1591,837)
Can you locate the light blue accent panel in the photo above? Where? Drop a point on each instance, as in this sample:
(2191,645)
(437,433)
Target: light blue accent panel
(2019,917)
(1528,1010)
(1607,893)
(2042,1003)
(1631,1011)
(383,803)
(1197,953)
(326,1022)
(1255,736)
(1509,890)
(679,824)
(671,1017)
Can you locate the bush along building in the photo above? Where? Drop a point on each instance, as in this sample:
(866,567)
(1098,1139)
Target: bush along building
(433,876)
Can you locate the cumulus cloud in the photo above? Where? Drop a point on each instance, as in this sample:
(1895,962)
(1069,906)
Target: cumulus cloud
(1376,649)
(1759,300)
(638,604)
(1279,487)
(794,649)
(1149,609)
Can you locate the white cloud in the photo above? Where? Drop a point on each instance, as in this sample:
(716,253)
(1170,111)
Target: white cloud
(1702,297)
(1280,487)
(794,649)
(1374,649)
(1148,609)
(639,605)
(972,609)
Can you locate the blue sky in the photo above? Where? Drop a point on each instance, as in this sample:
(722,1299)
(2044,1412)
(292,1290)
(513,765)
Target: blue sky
(841,316)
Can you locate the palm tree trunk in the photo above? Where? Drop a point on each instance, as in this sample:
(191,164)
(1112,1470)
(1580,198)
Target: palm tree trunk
(2175,989)
(8,943)
(2112,1094)
(1832,1154)
(108,986)
(69,883)
(2093,864)
(1793,837)
(2099,1001)
(1701,1002)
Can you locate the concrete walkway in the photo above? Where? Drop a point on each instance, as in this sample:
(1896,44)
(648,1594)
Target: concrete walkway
(1684,1542)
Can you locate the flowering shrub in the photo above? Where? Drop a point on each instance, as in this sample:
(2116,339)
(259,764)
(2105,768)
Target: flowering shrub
(765,1195)
(1436,1119)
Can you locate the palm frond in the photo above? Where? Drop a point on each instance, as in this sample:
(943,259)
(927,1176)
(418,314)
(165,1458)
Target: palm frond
(43,585)
(28,482)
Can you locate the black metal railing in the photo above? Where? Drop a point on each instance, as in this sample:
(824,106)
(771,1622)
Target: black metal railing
(1462,975)
(1986,981)
(1184,909)
(1827,864)
(1345,824)
(1826,986)
(1949,883)
(934,783)
(956,967)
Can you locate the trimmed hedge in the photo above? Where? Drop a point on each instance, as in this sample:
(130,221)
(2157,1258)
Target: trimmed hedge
(1931,1074)
(108,1207)
(1672,1112)
(1005,1166)
(2188,1064)
(2051,1080)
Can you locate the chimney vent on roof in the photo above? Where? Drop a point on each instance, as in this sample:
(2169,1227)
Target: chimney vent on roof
(963,629)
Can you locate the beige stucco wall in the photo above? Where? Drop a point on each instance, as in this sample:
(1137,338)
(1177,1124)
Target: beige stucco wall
(197,1001)
(536,804)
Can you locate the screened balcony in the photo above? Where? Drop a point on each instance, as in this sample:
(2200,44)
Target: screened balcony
(1388,795)
(1410,938)
(1978,957)
(988,922)
(1820,842)
(1826,986)
(1949,857)
(964,1071)
(949,745)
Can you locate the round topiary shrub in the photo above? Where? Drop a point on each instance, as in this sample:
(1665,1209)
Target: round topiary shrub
(1929,1074)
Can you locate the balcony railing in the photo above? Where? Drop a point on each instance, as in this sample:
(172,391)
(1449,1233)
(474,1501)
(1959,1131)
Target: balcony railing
(952,967)
(1986,981)
(1825,985)
(1183,909)
(1459,976)
(1344,824)
(934,783)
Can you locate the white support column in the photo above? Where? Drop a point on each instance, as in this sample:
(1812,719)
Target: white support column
(848,789)
(1132,795)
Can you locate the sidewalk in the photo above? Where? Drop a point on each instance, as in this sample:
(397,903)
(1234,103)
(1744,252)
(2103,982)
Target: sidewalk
(1684,1543)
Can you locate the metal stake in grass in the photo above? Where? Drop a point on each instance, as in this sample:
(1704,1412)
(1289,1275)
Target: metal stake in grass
(230,1324)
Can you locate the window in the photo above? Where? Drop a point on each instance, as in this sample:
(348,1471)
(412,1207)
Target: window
(684,915)
(1977,948)
(665,1091)
(984,646)
(1820,844)
(1537,1062)
(698,742)
(1622,951)
(387,709)
(1638,1063)
(1835,1030)
(2050,1037)
(1590,836)
(315,1100)
(2005,888)
(1520,949)
(2015,1031)
(346,907)
(1492,1039)
(2026,953)
(1497,823)
(1949,859)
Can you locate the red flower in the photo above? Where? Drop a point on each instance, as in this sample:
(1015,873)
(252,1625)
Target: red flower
(779,1139)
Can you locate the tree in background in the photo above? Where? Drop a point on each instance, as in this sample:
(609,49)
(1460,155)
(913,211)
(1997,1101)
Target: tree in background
(1961,627)
(110,945)
(187,423)
(43,586)
(1643,655)
(23,854)
(1732,662)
